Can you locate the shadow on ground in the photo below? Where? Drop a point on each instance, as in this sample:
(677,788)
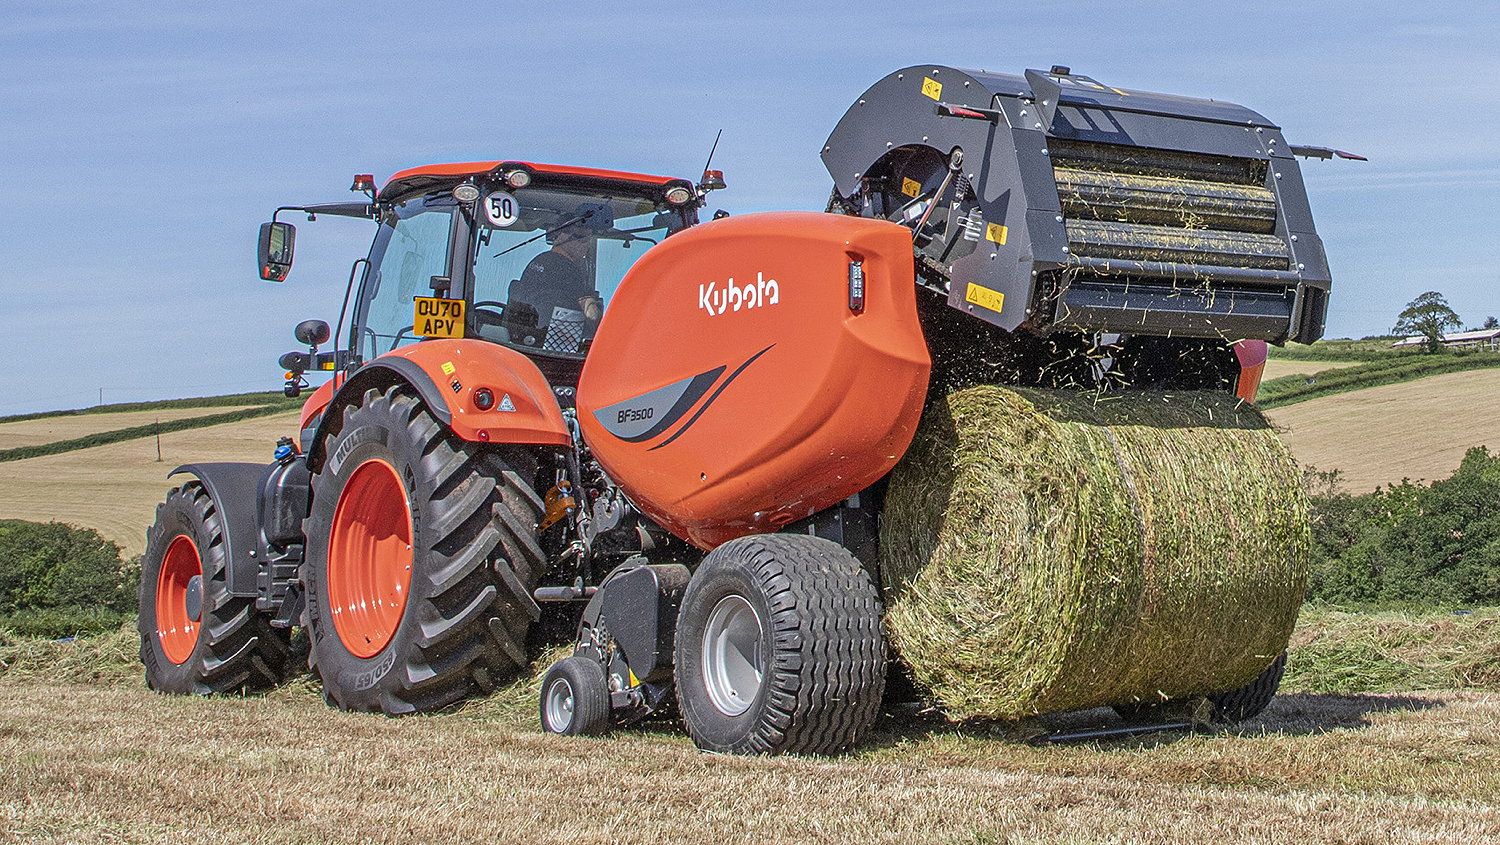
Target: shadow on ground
(1298,714)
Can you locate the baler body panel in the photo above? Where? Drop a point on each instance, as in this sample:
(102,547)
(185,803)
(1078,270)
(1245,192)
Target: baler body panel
(735,383)
(1085,207)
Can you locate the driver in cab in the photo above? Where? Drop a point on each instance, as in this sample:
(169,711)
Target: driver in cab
(554,304)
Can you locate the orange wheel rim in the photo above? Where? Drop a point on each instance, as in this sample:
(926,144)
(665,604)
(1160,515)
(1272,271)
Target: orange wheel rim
(369,559)
(176,627)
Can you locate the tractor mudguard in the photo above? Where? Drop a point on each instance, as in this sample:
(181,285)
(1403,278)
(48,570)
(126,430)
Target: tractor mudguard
(233,488)
(447,374)
(637,605)
(752,371)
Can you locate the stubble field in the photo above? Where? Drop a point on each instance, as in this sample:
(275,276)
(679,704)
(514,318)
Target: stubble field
(88,754)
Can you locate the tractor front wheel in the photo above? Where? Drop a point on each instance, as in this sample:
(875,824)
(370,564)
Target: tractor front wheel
(779,648)
(421,558)
(195,636)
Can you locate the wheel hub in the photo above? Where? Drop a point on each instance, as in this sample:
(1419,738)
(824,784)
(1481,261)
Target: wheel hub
(194,598)
(560,705)
(732,659)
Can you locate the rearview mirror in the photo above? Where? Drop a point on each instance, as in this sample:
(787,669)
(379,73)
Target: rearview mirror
(312,332)
(275,250)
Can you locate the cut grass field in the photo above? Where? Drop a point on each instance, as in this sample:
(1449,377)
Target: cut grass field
(87,754)
(36,432)
(1283,367)
(114,489)
(1380,435)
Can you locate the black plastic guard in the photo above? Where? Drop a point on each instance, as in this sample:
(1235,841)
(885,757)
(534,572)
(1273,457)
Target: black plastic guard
(232,487)
(637,605)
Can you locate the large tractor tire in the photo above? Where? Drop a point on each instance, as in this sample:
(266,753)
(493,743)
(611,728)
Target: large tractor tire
(779,648)
(195,636)
(421,558)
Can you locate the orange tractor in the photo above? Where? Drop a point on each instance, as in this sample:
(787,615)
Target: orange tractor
(562,406)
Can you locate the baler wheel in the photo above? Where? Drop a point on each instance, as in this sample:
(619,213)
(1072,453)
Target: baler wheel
(1237,705)
(575,698)
(421,558)
(195,636)
(779,648)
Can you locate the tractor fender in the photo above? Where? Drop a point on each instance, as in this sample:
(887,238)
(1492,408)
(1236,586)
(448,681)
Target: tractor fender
(234,487)
(447,374)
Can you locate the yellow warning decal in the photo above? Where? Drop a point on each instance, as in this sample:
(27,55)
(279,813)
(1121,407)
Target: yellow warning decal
(985,298)
(932,88)
(910,187)
(448,368)
(433,317)
(995,232)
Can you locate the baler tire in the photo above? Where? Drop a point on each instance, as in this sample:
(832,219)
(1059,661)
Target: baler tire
(231,647)
(821,654)
(1248,701)
(575,698)
(471,562)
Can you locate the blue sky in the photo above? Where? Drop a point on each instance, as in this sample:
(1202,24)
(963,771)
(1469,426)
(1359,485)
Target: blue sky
(144,142)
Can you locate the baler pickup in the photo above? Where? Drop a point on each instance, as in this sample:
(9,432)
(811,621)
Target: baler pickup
(1055,201)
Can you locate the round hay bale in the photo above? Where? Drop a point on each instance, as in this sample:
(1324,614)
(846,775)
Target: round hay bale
(1045,551)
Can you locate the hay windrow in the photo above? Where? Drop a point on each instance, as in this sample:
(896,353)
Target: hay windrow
(1044,551)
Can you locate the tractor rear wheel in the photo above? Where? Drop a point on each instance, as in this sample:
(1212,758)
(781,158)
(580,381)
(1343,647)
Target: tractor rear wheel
(195,636)
(779,648)
(421,558)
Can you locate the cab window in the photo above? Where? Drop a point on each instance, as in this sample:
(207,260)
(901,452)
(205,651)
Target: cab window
(411,247)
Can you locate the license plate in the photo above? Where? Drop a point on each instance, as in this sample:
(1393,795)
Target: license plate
(434,317)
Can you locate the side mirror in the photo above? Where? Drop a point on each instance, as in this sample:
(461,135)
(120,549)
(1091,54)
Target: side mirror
(275,250)
(312,332)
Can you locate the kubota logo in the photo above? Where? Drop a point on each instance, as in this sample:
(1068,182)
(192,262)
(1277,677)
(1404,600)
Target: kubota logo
(732,297)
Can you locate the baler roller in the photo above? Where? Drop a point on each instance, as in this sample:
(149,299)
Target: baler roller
(1137,242)
(1168,201)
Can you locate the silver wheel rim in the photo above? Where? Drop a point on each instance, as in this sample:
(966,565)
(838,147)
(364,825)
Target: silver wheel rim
(560,705)
(732,660)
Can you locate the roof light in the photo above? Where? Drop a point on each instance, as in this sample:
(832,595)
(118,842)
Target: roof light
(713,180)
(363,182)
(518,178)
(466,193)
(679,195)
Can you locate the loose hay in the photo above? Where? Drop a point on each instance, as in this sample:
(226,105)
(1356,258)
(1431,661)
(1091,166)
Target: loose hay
(1044,551)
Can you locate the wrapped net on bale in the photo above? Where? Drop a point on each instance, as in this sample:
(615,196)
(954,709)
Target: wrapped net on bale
(1045,551)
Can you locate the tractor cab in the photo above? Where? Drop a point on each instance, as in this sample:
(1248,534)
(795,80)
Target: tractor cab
(516,253)
(520,254)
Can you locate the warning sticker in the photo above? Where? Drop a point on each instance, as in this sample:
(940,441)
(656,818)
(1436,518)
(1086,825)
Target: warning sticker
(910,187)
(448,368)
(932,88)
(433,317)
(995,232)
(985,298)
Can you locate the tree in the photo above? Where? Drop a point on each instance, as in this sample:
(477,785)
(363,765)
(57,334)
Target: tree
(1429,316)
(1491,323)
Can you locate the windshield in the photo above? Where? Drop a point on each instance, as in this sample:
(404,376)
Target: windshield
(547,262)
(410,248)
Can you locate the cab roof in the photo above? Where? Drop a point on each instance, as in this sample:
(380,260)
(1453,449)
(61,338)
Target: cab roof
(434,175)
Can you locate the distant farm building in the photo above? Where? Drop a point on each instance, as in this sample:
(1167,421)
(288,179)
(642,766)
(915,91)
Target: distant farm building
(1487,339)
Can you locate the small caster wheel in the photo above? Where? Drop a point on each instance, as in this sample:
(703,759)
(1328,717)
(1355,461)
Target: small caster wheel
(575,698)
